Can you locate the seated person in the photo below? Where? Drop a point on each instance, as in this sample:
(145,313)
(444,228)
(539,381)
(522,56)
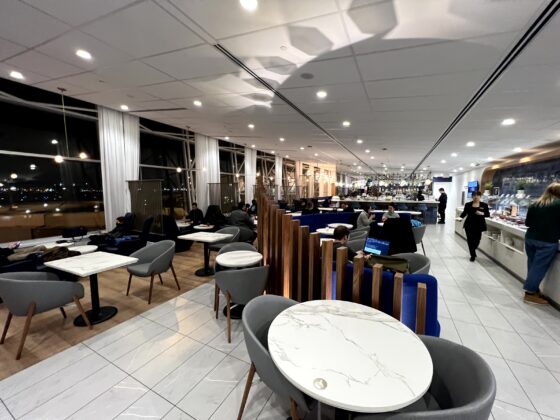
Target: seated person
(340,236)
(253,208)
(120,230)
(241,219)
(214,216)
(364,219)
(390,213)
(420,196)
(195,215)
(310,208)
(347,208)
(247,208)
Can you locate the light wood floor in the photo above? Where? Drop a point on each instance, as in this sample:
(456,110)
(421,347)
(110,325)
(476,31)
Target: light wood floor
(50,333)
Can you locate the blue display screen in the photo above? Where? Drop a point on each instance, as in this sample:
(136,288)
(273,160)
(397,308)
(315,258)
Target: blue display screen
(376,246)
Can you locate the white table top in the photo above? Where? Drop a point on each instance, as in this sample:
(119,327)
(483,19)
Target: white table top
(50,245)
(327,208)
(181,224)
(236,259)
(83,249)
(350,356)
(412,212)
(88,264)
(325,231)
(335,225)
(209,237)
(204,227)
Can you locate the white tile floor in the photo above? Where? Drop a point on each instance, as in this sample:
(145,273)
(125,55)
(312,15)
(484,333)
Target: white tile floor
(174,362)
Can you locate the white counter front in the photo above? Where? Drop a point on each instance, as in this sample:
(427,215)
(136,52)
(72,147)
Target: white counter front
(504,243)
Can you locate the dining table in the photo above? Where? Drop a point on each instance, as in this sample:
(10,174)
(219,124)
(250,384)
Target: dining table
(206,238)
(350,356)
(91,264)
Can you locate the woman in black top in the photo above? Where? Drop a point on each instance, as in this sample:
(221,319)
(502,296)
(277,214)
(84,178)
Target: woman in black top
(475,212)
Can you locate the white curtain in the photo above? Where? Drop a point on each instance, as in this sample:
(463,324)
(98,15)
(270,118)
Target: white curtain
(250,173)
(207,157)
(278,166)
(119,144)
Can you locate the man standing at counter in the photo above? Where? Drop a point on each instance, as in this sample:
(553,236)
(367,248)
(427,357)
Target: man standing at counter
(541,240)
(442,205)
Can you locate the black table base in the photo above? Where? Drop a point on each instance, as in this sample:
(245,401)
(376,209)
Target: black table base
(105,313)
(235,310)
(207,270)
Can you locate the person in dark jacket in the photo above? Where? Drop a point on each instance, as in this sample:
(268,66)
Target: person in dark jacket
(442,205)
(541,240)
(214,216)
(311,208)
(340,236)
(475,211)
(241,219)
(195,215)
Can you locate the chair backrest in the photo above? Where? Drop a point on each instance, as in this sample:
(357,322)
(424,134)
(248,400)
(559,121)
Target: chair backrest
(159,255)
(257,317)
(18,290)
(357,244)
(463,385)
(243,285)
(170,228)
(232,230)
(359,234)
(399,233)
(146,228)
(417,263)
(237,246)
(418,233)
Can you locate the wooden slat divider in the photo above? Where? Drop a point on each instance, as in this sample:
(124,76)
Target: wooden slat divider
(376,285)
(286,256)
(314,263)
(278,251)
(303,264)
(341,261)
(294,232)
(421,297)
(326,270)
(397,295)
(357,278)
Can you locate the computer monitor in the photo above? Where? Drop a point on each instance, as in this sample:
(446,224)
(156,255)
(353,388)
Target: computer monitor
(472,187)
(376,246)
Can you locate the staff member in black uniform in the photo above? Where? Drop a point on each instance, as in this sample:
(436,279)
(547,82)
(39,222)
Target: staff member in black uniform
(475,211)
(442,205)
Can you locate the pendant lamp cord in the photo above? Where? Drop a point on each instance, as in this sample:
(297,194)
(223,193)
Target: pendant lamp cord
(62,90)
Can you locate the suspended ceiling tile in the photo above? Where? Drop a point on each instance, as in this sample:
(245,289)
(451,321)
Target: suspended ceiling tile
(132,74)
(172,90)
(142,30)
(89,81)
(77,12)
(30,77)
(27,26)
(336,71)
(8,49)
(201,61)
(53,86)
(43,64)
(238,82)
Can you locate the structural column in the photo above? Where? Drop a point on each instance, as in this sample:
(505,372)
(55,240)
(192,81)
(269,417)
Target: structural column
(278,166)
(250,173)
(207,157)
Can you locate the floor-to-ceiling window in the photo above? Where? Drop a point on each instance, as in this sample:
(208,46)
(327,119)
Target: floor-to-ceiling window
(232,175)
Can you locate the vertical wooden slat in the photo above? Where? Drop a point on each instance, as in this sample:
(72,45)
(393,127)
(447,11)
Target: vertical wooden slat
(314,263)
(278,251)
(341,260)
(294,232)
(397,295)
(265,230)
(376,285)
(269,235)
(421,297)
(326,269)
(357,278)
(286,258)
(303,263)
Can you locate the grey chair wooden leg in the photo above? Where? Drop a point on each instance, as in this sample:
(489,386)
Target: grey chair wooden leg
(293,410)
(63,312)
(160,279)
(82,312)
(129,281)
(228,306)
(216,299)
(252,371)
(423,250)
(30,312)
(6,326)
(151,288)
(175,277)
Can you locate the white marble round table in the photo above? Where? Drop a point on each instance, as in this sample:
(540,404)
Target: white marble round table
(325,231)
(335,225)
(350,356)
(84,249)
(238,259)
(204,227)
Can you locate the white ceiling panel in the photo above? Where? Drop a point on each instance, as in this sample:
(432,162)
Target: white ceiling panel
(8,49)
(172,90)
(132,74)
(194,62)
(43,64)
(27,26)
(142,30)
(71,89)
(77,12)
(89,81)
(239,82)
(64,48)
(330,72)
(30,77)
(348,92)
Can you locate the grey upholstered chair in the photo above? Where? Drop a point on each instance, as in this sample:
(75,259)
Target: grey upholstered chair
(240,286)
(153,259)
(257,317)
(463,387)
(232,230)
(356,244)
(418,233)
(359,234)
(417,263)
(30,293)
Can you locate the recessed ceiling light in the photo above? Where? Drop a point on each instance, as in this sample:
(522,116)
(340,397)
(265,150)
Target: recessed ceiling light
(367,150)
(454,170)
(124,107)
(253,146)
(281,139)
(424,169)
(490,158)
(372,157)
(461,168)
(83,155)
(287,156)
(16,75)
(518,149)
(196,102)
(58,159)
(316,154)
(251,126)
(272,151)
(454,154)
(179,170)
(359,167)
(472,164)
(249,5)
(354,164)
(385,168)
(470,144)
(346,123)
(13,176)
(443,161)
(226,138)
(402,169)
(321,94)
(84,54)
(508,121)
(302,148)
(32,166)
(359,141)
(54,141)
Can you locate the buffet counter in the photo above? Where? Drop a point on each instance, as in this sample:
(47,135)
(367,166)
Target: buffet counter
(504,242)
(429,212)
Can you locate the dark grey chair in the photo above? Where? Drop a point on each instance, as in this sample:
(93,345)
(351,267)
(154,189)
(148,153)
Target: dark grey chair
(358,234)
(417,263)
(30,293)
(418,233)
(356,244)
(232,230)
(240,286)
(257,317)
(153,259)
(463,387)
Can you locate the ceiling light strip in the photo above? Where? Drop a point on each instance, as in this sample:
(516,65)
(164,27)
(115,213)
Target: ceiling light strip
(233,58)
(538,24)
